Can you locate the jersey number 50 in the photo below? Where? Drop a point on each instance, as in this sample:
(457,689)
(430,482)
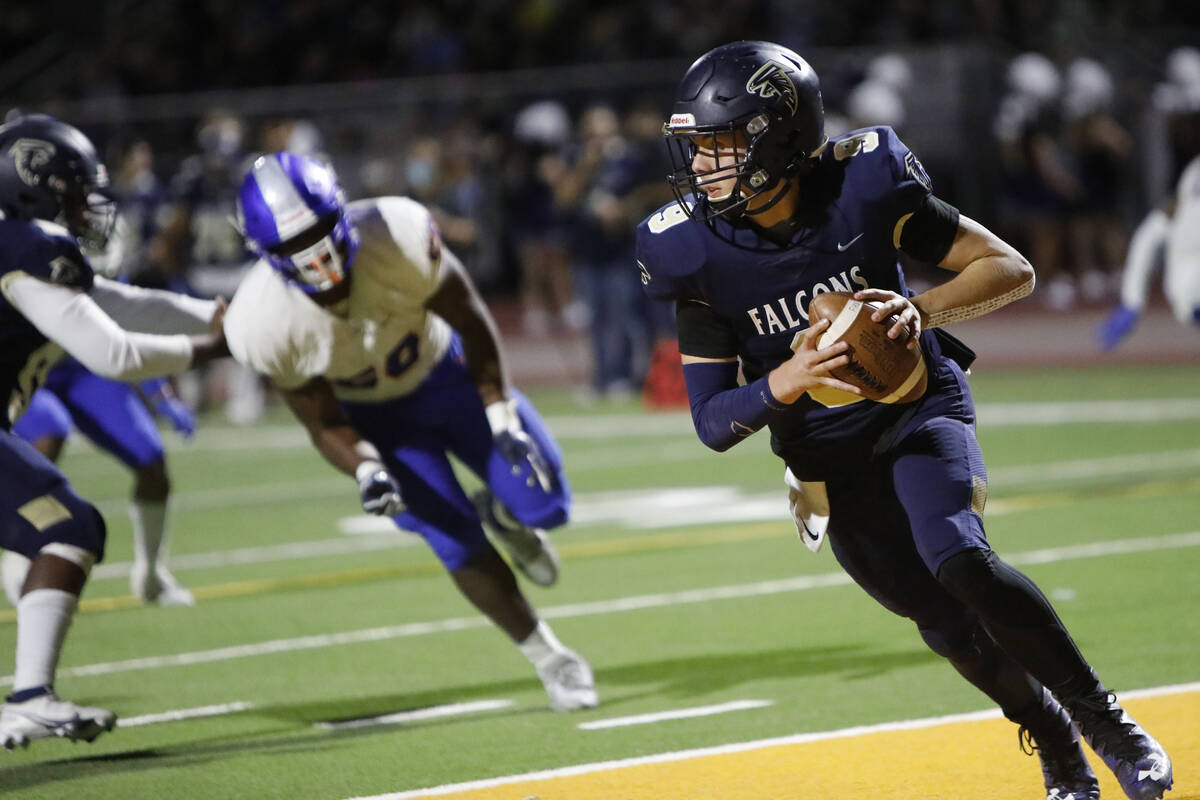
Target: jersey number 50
(402,356)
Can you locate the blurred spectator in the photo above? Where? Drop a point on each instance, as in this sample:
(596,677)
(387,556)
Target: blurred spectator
(203,253)
(1037,186)
(1099,149)
(1173,122)
(874,102)
(537,221)
(141,199)
(607,172)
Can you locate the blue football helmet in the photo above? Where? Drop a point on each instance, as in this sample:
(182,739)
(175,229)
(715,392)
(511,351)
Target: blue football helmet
(293,214)
(765,93)
(49,170)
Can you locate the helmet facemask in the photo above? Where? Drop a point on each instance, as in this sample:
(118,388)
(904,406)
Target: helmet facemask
(763,102)
(293,214)
(733,148)
(318,258)
(88,210)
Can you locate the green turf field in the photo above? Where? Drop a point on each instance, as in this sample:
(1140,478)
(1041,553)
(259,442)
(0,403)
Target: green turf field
(683,583)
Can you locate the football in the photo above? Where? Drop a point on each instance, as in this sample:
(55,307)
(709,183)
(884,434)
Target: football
(886,370)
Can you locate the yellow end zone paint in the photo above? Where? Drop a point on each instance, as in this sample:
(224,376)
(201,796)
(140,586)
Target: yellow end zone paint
(977,759)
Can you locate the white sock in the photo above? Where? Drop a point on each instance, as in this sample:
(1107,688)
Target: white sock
(43,617)
(149,518)
(540,644)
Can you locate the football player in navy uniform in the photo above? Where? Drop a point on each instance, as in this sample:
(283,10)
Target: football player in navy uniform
(119,418)
(769,214)
(54,197)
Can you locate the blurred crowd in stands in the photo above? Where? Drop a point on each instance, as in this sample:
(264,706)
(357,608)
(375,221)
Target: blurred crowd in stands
(539,192)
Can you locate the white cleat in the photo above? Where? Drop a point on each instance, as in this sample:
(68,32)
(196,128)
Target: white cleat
(568,680)
(159,586)
(532,552)
(48,715)
(529,548)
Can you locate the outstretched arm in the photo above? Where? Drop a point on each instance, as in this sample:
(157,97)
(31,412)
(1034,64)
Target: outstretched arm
(991,274)
(336,439)
(70,318)
(331,433)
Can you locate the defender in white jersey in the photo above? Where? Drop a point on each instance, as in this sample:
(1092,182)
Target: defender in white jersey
(1170,236)
(381,346)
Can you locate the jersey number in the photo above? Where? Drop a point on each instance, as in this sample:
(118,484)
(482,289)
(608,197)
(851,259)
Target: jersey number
(403,356)
(667,218)
(852,146)
(32,376)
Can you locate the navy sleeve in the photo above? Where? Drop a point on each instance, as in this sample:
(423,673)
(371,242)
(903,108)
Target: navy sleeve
(911,184)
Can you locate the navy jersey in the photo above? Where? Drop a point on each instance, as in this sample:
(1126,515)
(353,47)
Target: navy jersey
(761,288)
(50,253)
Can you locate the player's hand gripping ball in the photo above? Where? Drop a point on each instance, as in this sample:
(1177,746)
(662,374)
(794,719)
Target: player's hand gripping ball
(885,369)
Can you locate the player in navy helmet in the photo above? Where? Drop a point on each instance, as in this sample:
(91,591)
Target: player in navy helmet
(379,343)
(770,214)
(54,196)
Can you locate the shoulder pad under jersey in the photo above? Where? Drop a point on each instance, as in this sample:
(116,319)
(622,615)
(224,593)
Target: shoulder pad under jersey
(880,168)
(671,249)
(44,250)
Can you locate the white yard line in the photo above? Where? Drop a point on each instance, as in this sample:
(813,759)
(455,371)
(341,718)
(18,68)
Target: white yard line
(267,554)
(267,437)
(633,508)
(219,710)
(678,713)
(433,712)
(617,605)
(739,747)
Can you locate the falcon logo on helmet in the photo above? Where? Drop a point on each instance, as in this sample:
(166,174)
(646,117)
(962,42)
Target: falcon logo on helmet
(771,80)
(49,170)
(29,156)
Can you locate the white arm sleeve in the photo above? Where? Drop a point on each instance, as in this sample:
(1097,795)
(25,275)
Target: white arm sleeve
(1145,250)
(70,318)
(150,310)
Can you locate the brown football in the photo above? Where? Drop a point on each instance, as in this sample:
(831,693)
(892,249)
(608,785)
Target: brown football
(886,370)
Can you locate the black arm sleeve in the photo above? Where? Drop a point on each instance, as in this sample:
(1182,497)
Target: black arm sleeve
(703,332)
(929,232)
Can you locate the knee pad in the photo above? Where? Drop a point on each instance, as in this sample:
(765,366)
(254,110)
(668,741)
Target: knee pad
(968,575)
(79,539)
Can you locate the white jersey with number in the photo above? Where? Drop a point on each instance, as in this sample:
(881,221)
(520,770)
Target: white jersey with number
(379,343)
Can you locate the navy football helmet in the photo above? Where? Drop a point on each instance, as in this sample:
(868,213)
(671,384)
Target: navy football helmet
(49,170)
(767,95)
(293,214)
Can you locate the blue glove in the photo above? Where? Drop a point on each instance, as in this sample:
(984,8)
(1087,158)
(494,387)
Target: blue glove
(379,491)
(516,446)
(178,414)
(169,407)
(1117,326)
